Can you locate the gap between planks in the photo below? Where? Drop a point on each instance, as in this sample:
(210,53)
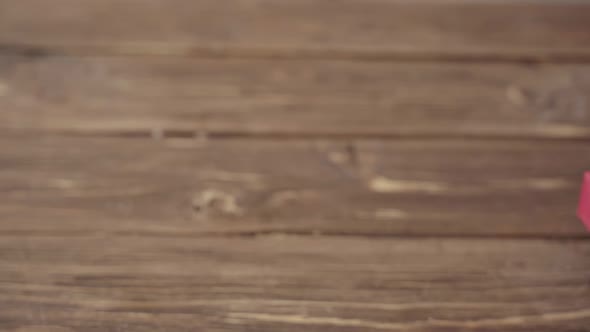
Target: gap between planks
(39,50)
(319,235)
(158,134)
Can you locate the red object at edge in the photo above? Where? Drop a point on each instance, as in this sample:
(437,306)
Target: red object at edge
(584,208)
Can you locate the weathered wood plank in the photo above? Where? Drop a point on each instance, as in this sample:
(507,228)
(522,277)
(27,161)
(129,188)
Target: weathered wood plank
(373,28)
(139,283)
(186,187)
(294,97)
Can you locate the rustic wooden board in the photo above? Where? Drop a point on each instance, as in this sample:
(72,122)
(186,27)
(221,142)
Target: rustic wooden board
(261,184)
(304,97)
(138,283)
(489,29)
(193,186)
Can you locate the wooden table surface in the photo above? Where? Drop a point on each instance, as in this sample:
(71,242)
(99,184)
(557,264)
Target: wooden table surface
(282,165)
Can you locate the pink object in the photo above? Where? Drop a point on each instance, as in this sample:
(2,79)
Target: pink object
(584,208)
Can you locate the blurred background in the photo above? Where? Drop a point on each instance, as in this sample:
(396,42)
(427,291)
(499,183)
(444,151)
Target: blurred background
(457,124)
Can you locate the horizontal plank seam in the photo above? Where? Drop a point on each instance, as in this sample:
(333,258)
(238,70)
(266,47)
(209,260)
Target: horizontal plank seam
(162,134)
(36,50)
(297,233)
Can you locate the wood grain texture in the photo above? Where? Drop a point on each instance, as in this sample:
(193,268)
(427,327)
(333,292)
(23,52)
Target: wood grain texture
(341,28)
(278,165)
(303,97)
(278,283)
(187,187)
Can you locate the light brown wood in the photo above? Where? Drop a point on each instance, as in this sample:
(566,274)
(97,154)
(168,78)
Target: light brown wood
(187,187)
(293,165)
(305,98)
(461,29)
(155,283)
